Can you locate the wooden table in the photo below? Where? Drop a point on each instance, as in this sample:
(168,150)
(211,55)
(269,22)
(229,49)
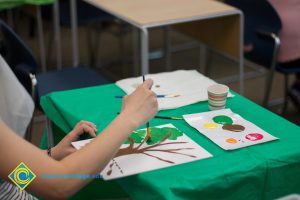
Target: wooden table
(222,25)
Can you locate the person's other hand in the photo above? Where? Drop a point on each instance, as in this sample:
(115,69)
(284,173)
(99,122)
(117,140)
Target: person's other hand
(141,105)
(64,147)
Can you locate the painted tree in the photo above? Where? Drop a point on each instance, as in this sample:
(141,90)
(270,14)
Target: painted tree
(159,137)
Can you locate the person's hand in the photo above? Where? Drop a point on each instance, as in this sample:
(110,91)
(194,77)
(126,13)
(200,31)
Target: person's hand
(141,105)
(64,147)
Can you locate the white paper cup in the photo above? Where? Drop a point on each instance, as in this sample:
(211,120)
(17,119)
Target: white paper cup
(217,95)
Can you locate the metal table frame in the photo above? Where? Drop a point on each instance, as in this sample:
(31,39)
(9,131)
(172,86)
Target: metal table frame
(144,41)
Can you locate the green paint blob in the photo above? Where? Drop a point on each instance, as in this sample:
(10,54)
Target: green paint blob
(157,135)
(137,136)
(222,119)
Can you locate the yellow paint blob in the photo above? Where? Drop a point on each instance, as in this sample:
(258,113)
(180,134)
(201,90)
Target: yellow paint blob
(231,140)
(210,125)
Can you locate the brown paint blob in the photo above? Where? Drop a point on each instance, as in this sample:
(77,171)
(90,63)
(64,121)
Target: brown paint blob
(233,127)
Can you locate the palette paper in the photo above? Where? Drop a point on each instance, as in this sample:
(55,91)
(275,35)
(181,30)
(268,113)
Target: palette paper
(189,84)
(227,129)
(168,147)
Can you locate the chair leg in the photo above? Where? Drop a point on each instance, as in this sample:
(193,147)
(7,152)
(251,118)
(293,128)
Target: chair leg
(269,79)
(286,89)
(268,88)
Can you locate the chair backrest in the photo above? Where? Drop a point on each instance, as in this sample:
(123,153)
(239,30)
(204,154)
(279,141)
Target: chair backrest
(259,15)
(18,56)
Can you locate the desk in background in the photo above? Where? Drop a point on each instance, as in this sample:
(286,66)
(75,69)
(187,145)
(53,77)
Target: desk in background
(186,15)
(264,171)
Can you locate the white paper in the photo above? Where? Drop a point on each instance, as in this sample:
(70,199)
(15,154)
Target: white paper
(186,150)
(251,135)
(79,144)
(189,84)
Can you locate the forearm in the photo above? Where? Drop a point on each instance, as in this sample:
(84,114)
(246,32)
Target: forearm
(89,160)
(93,158)
(53,153)
(141,106)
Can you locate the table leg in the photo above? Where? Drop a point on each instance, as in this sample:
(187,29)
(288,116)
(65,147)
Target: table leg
(74,28)
(144,51)
(41,38)
(57,36)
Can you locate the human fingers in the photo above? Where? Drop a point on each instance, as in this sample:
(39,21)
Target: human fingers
(88,129)
(153,104)
(148,84)
(92,125)
(80,129)
(124,102)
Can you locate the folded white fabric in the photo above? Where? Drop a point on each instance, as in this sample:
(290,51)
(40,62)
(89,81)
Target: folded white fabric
(16,106)
(189,84)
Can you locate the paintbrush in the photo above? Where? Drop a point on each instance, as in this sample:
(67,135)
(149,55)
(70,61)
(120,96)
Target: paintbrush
(158,96)
(147,124)
(164,117)
(167,95)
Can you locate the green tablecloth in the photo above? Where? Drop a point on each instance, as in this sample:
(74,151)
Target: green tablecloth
(264,171)
(6,4)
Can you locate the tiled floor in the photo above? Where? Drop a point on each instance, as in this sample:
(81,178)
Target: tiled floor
(108,55)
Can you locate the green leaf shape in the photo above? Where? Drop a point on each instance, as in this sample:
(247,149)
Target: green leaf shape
(137,136)
(157,135)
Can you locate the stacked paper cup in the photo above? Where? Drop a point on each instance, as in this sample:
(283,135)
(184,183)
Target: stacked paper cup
(217,95)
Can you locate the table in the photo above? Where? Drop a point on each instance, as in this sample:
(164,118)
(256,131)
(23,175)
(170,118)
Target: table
(6,4)
(144,14)
(265,171)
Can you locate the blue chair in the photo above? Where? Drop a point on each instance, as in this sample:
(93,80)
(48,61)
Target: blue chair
(262,25)
(20,58)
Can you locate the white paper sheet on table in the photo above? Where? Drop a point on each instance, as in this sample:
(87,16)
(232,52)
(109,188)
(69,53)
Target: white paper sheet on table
(182,150)
(226,139)
(190,84)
